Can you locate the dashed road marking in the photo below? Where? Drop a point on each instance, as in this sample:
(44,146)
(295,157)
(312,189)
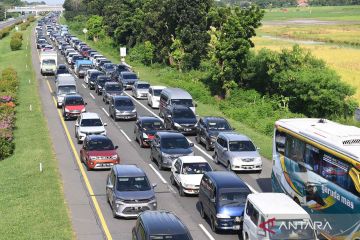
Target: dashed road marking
(158,174)
(92,95)
(127,137)
(206,232)
(105,112)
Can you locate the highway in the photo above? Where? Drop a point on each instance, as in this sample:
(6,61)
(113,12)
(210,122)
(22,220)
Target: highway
(8,23)
(88,209)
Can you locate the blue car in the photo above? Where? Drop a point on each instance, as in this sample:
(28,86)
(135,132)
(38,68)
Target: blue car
(81,66)
(222,198)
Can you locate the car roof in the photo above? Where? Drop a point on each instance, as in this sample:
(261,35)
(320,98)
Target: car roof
(127,72)
(176,93)
(230,136)
(128,171)
(192,159)
(73,96)
(89,115)
(162,222)
(158,87)
(149,119)
(226,179)
(209,118)
(281,205)
(168,134)
(97,137)
(117,98)
(112,83)
(142,82)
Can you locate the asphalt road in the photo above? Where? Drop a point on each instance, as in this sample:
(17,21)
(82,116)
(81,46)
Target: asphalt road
(85,218)
(8,23)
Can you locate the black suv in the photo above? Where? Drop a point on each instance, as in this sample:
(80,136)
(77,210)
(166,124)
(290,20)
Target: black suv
(208,128)
(61,69)
(167,146)
(111,89)
(180,118)
(118,69)
(145,129)
(100,82)
(92,78)
(160,225)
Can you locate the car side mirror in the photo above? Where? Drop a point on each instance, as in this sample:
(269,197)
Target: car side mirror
(225,149)
(191,144)
(169,116)
(195,104)
(116,147)
(176,171)
(86,103)
(105,124)
(154,185)
(76,124)
(257,148)
(109,186)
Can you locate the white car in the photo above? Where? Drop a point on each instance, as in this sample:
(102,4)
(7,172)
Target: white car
(153,96)
(140,90)
(86,78)
(88,123)
(186,173)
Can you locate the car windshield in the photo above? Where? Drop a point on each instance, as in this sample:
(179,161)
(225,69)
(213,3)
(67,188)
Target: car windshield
(85,66)
(155,125)
(94,75)
(100,145)
(124,103)
(171,237)
(157,92)
(233,196)
(143,86)
(108,66)
(183,113)
(182,102)
(129,184)
(130,76)
(66,89)
(292,229)
(62,71)
(173,143)
(196,168)
(219,125)
(72,101)
(49,62)
(91,122)
(113,87)
(241,146)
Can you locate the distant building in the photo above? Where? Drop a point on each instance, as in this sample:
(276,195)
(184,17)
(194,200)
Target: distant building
(302,3)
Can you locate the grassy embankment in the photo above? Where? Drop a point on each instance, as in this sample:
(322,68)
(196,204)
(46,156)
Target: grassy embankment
(158,75)
(341,51)
(32,204)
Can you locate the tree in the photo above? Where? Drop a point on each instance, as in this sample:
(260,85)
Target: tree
(232,49)
(95,27)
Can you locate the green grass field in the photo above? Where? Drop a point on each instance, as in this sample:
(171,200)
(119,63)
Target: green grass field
(32,204)
(329,13)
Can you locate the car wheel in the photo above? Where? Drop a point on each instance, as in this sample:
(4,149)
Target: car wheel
(103,99)
(87,166)
(160,166)
(141,142)
(78,141)
(197,138)
(113,211)
(212,224)
(207,146)
(181,190)
(228,166)
(201,210)
(216,159)
(172,180)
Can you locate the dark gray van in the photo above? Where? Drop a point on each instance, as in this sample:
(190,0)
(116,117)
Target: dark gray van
(174,96)
(222,198)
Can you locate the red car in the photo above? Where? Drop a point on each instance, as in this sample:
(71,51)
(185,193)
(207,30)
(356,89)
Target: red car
(73,106)
(98,152)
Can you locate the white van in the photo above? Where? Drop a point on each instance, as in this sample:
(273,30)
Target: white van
(65,84)
(174,96)
(275,216)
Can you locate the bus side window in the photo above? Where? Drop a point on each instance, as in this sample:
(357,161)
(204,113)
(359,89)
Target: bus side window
(280,139)
(312,158)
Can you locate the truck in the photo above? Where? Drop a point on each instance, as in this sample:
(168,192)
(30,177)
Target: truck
(81,66)
(65,84)
(48,62)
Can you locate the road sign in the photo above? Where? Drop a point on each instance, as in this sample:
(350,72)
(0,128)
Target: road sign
(16,28)
(85,30)
(123,52)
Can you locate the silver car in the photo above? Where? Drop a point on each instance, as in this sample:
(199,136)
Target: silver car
(237,153)
(129,191)
(140,90)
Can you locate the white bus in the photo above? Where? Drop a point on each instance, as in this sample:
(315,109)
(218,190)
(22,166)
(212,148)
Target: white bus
(317,163)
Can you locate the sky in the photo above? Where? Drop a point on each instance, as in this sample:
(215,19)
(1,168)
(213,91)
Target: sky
(50,2)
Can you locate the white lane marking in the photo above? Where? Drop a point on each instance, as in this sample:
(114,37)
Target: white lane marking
(196,146)
(157,173)
(127,137)
(172,189)
(83,85)
(105,112)
(251,188)
(92,95)
(206,232)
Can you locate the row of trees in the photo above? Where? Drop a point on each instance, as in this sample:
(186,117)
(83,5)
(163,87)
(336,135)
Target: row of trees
(189,34)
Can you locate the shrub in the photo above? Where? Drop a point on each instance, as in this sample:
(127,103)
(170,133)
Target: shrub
(6,148)
(15,44)
(17,35)
(143,53)
(9,80)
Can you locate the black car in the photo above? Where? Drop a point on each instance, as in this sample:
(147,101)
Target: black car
(41,43)
(159,225)
(61,69)
(111,89)
(101,62)
(74,59)
(208,128)
(122,107)
(92,79)
(100,82)
(167,146)
(145,129)
(107,68)
(180,118)
(118,69)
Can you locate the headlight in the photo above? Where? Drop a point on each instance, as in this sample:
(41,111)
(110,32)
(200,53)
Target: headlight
(177,125)
(119,201)
(258,159)
(222,215)
(188,185)
(114,156)
(118,111)
(93,158)
(165,155)
(145,135)
(152,198)
(103,133)
(213,137)
(133,110)
(83,110)
(67,110)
